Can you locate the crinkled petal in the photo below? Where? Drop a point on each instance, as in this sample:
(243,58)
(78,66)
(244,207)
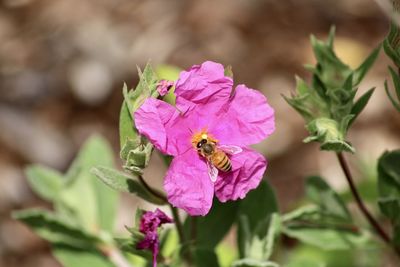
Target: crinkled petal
(246,120)
(202,84)
(188,185)
(162,124)
(150,221)
(247,171)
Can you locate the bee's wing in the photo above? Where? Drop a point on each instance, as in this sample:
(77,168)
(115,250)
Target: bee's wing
(232,150)
(212,171)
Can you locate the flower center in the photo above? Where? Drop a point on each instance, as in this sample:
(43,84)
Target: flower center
(202,137)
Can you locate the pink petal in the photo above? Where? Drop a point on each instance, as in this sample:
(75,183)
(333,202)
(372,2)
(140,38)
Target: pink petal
(187,184)
(247,171)
(248,119)
(156,120)
(202,84)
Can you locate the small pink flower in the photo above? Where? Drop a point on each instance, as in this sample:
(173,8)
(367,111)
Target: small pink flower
(164,86)
(206,107)
(149,224)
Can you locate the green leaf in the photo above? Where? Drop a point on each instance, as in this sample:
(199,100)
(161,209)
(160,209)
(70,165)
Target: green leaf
(360,104)
(126,127)
(71,257)
(261,246)
(329,239)
(137,156)
(389,190)
(390,41)
(396,82)
(210,229)
(327,104)
(360,72)
(326,198)
(311,226)
(391,98)
(328,133)
(300,212)
(390,207)
(135,149)
(205,258)
(253,263)
(54,229)
(147,87)
(258,206)
(82,187)
(46,182)
(244,235)
(124,183)
(389,174)
(331,36)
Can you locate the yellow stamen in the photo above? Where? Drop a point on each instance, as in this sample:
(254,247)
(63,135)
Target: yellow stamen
(202,134)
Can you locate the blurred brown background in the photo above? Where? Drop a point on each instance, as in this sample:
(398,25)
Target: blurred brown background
(63,63)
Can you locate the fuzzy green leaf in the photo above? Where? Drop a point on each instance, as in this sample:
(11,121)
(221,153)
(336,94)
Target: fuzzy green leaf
(137,156)
(327,132)
(205,258)
(360,104)
(396,83)
(124,183)
(261,245)
(390,44)
(329,239)
(211,229)
(55,229)
(247,262)
(389,190)
(46,182)
(258,206)
(83,187)
(360,72)
(326,198)
(72,257)
(127,131)
(312,226)
(136,150)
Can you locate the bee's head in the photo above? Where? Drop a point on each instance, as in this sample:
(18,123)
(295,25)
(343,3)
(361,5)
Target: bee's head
(205,147)
(201,143)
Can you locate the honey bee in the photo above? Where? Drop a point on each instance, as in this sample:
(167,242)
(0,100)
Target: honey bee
(216,156)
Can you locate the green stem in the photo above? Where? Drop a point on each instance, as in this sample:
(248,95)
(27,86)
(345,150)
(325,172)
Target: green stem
(178,223)
(152,190)
(379,230)
(181,234)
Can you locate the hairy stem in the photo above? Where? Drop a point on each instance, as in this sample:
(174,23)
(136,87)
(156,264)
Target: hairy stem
(178,223)
(181,234)
(152,190)
(382,234)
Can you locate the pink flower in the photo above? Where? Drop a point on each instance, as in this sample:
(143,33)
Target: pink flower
(149,224)
(164,86)
(229,121)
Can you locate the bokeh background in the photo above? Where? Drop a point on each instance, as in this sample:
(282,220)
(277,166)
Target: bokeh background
(63,64)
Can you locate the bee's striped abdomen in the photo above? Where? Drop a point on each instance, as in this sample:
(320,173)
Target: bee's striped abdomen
(221,161)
